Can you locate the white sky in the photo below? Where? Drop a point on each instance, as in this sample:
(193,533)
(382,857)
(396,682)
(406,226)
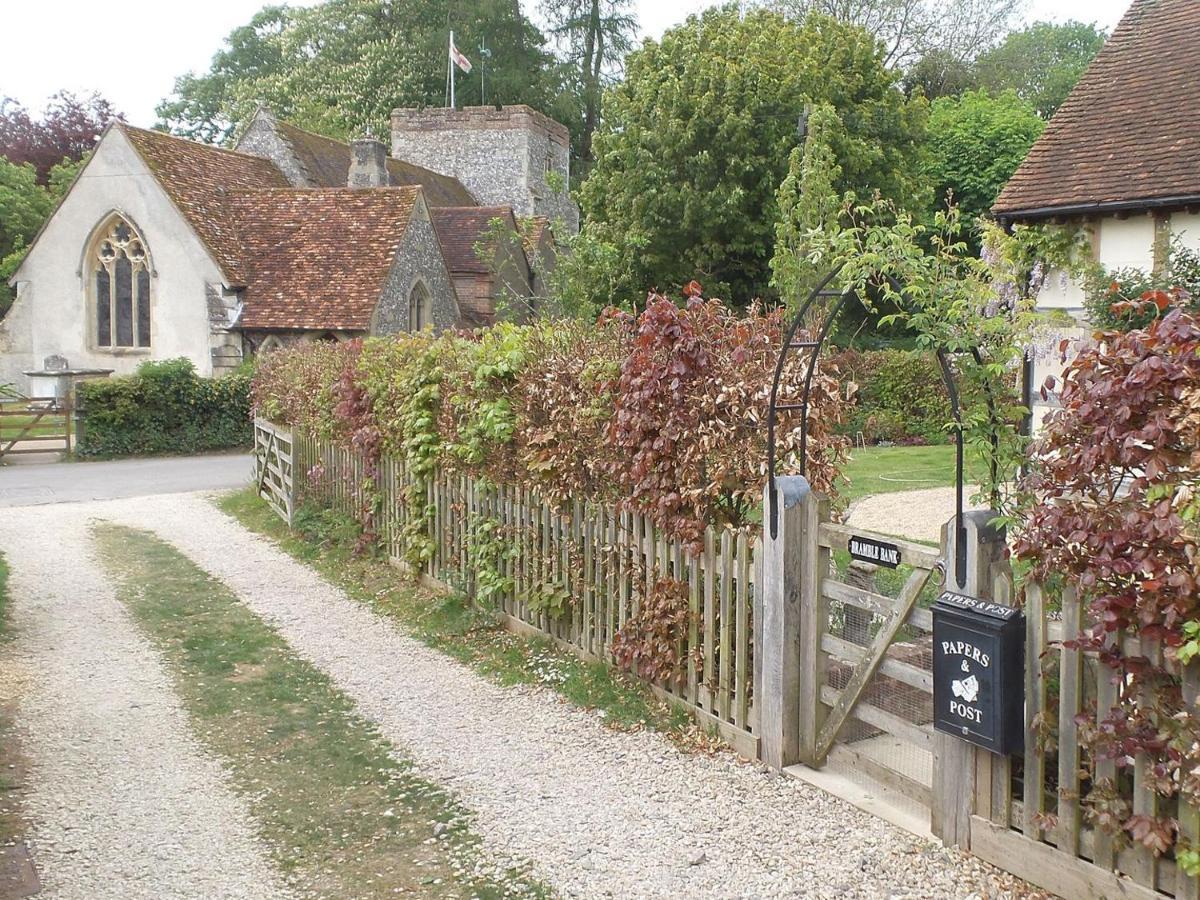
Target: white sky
(131,52)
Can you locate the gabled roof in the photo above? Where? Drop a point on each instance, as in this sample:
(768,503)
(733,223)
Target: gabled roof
(319,258)
(327,162)
(460,229)
(469,249)
(199,178)
(1129,133)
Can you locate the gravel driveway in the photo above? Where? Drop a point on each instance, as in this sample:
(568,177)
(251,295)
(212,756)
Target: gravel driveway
(122,800)
(598,812)
(916,515)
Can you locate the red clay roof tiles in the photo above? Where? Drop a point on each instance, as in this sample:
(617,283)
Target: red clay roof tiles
(1130,131)
(199,178)
(319,258)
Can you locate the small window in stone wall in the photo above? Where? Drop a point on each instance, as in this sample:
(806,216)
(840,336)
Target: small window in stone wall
(420,308)
(121,287)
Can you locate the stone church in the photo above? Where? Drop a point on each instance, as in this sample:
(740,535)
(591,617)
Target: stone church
(165,247)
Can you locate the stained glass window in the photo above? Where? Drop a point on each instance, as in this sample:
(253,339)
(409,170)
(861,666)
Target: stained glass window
(122,286)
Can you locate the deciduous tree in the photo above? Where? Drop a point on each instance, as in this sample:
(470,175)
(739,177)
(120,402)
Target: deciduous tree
(1041,63)
(343,65)
(976,142)
(67,130)
(696,140)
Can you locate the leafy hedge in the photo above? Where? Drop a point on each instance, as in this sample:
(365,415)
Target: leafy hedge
(664,412)
(164,408)
(899,396)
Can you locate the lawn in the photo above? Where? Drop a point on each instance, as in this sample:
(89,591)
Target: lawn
(884,470)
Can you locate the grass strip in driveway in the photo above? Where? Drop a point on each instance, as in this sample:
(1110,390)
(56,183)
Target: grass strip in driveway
(342,813)
(326,541)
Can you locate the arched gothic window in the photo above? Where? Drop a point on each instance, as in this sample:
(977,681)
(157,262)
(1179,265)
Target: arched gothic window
(420,307)
(120,279)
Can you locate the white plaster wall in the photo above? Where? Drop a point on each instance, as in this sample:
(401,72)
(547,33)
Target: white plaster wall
(1127,242)
(52,289)
(1187,226)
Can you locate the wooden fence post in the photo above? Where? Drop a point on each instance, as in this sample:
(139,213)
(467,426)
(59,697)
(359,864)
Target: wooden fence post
(954,759)
(777,613)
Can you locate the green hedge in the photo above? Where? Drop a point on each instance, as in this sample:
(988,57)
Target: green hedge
(901,398)
(164,408)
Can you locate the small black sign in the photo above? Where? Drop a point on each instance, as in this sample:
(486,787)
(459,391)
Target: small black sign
(866,549)
(979,671)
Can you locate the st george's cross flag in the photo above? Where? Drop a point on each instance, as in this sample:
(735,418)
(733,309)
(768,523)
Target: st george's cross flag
(459,60)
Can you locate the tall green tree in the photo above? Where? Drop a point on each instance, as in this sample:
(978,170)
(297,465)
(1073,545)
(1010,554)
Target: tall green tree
(911,29)
(1041,63)
(594,36)
(343,65)
(695,142)
(976,142)
(808,202)
(24,206)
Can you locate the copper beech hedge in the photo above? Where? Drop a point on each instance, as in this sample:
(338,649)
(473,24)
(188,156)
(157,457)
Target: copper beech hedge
(1114,507)
(663,411)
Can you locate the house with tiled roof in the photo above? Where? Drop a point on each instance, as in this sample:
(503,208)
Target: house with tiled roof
(165,247)
(1121,156)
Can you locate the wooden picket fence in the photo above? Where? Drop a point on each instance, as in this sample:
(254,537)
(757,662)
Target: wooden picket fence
(1028,814)
(596,563)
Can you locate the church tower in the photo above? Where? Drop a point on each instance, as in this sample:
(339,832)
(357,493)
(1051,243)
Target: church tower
(513,156)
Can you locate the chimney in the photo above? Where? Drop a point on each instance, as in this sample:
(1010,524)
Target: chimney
(368,164)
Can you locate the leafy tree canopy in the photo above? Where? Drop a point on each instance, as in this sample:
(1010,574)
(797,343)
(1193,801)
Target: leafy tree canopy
(1041,63)
(343,65)
(66,131)
(24,206)
(911,29)
(977,142)
(696,140)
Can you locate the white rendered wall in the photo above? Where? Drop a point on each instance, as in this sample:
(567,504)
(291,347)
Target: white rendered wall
(52,315)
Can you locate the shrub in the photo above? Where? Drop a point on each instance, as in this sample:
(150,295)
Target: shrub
(665,413)
(900,396)
(1114,507)
(164,408)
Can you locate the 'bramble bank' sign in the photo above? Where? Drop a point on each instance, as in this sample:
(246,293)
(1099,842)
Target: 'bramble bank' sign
(870,550)
(979,671)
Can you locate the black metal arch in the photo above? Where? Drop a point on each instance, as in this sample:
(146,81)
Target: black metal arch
(815,346)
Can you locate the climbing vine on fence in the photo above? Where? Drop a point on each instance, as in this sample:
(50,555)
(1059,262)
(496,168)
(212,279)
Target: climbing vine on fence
(662,412)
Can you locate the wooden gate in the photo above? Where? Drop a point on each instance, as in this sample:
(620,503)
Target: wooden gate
(866,662)
(34,425)
(274,456)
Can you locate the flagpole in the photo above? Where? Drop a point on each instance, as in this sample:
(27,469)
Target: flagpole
(450,61)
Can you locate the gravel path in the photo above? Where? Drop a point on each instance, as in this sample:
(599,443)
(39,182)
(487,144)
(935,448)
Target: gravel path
(598,812)
(123,802)
(917,515)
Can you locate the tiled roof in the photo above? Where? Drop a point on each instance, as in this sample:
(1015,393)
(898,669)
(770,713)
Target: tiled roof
(460,229)
(1130,131)
(327,162)
(319,258)
(199,179)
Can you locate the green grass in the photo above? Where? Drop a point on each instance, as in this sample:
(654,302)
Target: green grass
(454,626)
(340,810)
(12,770)
(885,470)
(3,599)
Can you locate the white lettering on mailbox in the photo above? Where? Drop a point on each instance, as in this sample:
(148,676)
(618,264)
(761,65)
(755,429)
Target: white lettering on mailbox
(970,651)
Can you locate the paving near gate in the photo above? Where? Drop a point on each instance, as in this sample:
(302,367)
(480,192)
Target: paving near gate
(163,734)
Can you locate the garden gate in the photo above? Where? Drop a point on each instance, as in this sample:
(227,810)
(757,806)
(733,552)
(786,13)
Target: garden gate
(274,455)
(34,425)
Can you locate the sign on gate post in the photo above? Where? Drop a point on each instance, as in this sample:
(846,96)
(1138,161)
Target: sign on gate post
(979,672)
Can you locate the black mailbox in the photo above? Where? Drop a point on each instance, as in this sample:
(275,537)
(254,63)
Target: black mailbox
(979,672)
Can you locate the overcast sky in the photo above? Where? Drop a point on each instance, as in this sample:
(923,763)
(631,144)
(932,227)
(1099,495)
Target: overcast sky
(131,51)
